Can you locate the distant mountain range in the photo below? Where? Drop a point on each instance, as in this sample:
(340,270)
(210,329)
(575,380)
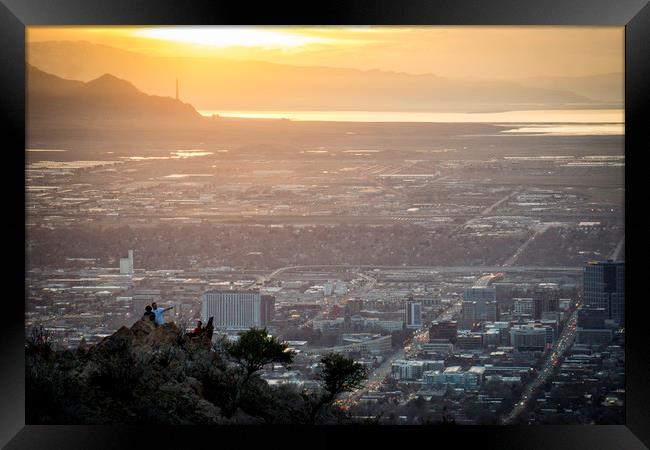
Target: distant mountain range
(608,87)
(105,102)
(222,84)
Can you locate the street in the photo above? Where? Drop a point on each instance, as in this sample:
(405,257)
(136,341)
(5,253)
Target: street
(561,345)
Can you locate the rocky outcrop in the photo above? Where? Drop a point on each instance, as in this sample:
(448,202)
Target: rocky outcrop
(145,373)
(144,336)
(148,374)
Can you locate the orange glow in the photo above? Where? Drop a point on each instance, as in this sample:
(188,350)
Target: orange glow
(231,69)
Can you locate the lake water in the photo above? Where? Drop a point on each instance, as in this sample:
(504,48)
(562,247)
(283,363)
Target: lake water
(556,122)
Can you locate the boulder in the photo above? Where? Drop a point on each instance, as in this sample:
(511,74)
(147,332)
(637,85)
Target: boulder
(166,334)
(142,328)
(120,340)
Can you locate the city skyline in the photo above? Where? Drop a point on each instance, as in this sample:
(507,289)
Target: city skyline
(251,226)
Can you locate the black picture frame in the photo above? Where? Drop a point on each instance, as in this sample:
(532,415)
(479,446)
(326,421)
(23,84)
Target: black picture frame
(15,15)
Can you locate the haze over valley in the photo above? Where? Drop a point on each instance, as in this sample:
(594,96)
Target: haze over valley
(431,219)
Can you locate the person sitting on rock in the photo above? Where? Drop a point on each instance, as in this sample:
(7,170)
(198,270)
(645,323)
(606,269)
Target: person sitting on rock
(158,312)
(196,331)
(148,314)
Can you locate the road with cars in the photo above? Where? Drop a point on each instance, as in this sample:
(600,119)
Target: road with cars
(562,344)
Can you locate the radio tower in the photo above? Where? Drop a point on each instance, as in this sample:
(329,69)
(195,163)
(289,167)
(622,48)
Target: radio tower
(176,88)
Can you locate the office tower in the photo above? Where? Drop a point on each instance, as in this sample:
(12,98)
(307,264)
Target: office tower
(233,309)
(468,315)
(546,297)
(604,287)
(491,311)
(484,299)
(267,309)
(413,314)
(126,264)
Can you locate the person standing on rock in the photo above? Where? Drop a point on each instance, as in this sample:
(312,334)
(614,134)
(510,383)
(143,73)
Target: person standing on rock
(148,314)
(158,312)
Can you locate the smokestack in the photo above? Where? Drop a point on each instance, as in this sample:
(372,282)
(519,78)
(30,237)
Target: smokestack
(176,88)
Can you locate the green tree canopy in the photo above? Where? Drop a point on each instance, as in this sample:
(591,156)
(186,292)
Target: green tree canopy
(341,374)
(255,349)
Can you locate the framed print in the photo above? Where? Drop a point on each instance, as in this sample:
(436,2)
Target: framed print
(325,222)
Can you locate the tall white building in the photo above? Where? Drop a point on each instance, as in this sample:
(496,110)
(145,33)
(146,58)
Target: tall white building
(232,309)
(126,264)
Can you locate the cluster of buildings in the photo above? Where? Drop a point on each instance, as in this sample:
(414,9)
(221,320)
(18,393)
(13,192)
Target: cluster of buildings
(489,334)
(460,357)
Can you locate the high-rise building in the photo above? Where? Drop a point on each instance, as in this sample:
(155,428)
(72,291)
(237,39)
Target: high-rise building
(468,318)
(491,311)
(267,309)
(126,264)
(482,303)
(546,298)
(604,287)
(413,314)
(235,309)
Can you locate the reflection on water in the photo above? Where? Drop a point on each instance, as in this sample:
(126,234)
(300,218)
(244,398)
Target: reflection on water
(591,129)
(179,154)
(190,153)
(576,161)
(527,116)
(43,150)
(68,165)
(187,175)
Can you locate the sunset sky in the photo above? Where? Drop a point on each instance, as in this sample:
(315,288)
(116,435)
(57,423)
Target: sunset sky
(467,52)
(365,68)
